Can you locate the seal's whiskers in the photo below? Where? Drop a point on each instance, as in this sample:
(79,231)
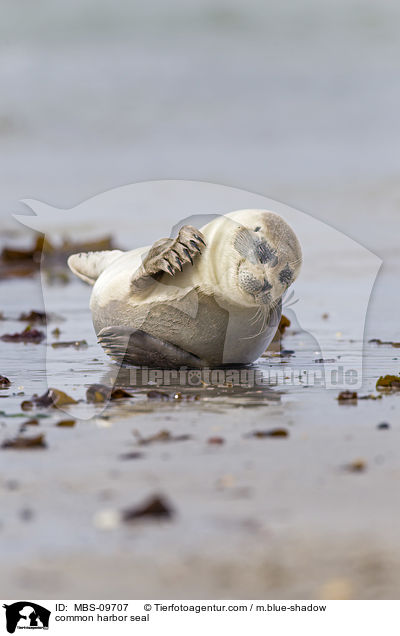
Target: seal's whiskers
(256,316)
(263,312)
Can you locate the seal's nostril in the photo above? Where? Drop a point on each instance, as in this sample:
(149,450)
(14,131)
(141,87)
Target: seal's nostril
(266,286)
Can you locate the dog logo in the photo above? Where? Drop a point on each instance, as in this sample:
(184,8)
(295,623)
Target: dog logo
(26,615)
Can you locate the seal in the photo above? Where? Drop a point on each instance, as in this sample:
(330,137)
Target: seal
(211,296)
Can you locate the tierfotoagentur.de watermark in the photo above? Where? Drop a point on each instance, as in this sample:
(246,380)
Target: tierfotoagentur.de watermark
(242,377)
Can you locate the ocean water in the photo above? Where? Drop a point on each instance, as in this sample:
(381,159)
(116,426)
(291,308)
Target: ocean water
(297,103)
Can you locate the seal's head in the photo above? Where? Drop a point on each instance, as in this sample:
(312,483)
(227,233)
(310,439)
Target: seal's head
(259,257)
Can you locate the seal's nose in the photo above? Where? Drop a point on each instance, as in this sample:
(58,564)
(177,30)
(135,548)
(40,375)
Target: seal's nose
(266,286)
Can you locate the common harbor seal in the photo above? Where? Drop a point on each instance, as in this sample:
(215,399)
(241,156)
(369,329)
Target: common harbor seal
(211,296)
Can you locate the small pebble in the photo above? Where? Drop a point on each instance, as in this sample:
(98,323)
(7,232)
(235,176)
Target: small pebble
(357,466)
(106,519)
(216,441)
(66,423)
(12,484)
(131,455)
(26,514)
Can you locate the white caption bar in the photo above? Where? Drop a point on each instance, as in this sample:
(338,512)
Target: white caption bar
(155,617)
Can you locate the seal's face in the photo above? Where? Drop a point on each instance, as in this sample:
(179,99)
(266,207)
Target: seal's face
(269,259)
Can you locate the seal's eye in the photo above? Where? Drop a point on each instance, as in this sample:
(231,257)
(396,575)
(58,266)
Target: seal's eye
(286,275)
(258,228)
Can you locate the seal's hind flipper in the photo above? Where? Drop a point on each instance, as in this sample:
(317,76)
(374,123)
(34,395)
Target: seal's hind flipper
(136,347)
(169,256)
(89,265)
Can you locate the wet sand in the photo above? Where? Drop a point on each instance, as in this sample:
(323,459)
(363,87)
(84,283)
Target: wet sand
(270,517)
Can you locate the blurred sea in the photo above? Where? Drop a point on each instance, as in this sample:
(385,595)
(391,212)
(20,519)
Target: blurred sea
(296,101)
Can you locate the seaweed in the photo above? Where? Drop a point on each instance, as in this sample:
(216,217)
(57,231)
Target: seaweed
(4,382)
(22,262)
(378,341)
(77,344)
(120,394)
(284,323)
(20,442)
(347,397)
(99,393)
(28,336)
(32,422)
(155,506)
(161,436)
(66,423)
(4,414)
(273,432)
(388,383)
(34,317)
(275,345)
(52,397)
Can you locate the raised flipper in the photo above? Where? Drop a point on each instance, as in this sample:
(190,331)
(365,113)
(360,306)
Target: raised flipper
(168,255)
(89,265)
(136,347)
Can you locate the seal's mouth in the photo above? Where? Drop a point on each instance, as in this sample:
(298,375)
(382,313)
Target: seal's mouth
(257,287)
(265,287)
(263,298)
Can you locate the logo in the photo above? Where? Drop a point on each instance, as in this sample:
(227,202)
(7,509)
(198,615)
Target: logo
(26,615)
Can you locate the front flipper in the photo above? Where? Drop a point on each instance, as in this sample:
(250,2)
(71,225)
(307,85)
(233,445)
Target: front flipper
(136,347)
(168,255)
